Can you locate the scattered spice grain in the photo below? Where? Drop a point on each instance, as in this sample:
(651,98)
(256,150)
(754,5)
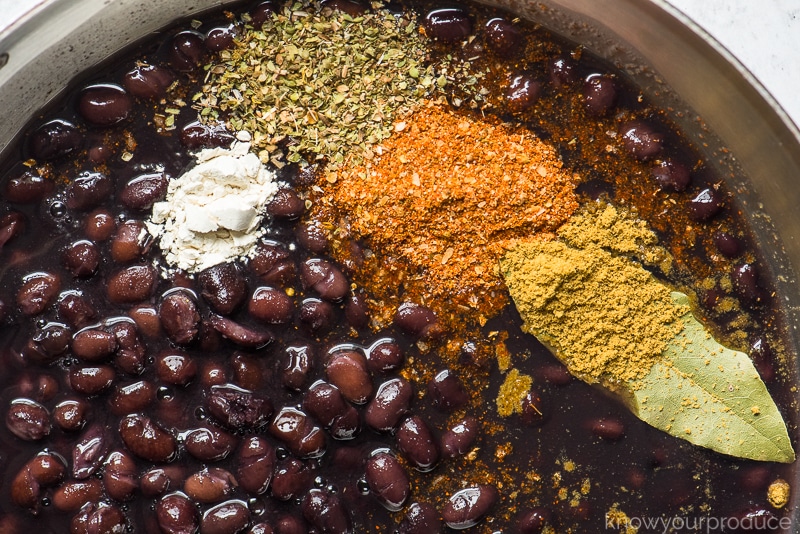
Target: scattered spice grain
(442,198)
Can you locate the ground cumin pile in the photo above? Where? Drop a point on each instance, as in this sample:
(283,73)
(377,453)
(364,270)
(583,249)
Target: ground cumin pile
(444,194)
(605,316)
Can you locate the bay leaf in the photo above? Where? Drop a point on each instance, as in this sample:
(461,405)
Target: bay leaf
(711,396)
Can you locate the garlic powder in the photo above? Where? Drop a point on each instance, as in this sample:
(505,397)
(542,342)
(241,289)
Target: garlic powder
(213,212)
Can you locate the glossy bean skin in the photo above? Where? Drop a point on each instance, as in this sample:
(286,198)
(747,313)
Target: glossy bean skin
(94,345)
(286,205)
(608,428)
(271,305)
(326,512)
(290,480)
(297,430)
(98,517)
(88,190)
(71,414)
(447,391)
(38,292)
(384,356)
(158,480)
(460,438)
(28,420)
(131,285)
(466,507)
(141,192)
(48,343)
(244,336)
(209,443)
(73,494)
(91,380)
(297,365)
(347,370)
(599,94)
(705,205)
(130,241)
(390,403)
(54,140)
(210,485)
(197,135)
(415,440)
(104,104)
(523,92)
(238,408)
(89,452)
(179,317)
(387,480)
(176,514)
(82,259)
(132,398)
(148,81)
(120,476)
(448,25)
(504,38)
(641,140)
(27,188)
(43,470)
(324,278)
(418,321)
(273,264)
(256,465)
(223,286)
(146,439)
(175,367)
(229,517)
(186,51)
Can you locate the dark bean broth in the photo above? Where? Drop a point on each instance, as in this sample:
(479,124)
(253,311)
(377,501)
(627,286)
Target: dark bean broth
(569,461)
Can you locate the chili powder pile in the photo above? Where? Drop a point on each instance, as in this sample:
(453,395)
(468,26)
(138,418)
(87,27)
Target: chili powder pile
(442,196)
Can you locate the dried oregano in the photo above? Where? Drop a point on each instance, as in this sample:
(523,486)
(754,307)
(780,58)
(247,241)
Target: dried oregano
(320,83)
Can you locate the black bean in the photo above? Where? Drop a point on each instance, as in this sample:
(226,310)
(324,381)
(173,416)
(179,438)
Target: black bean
(325,403)
(82,258)
(296,367)
(47,468)
(421,518)
(146,319)
(218,39)
(324,278)
(99,517)
(11,225)
(298,432)
(387,480)
(266,528)
(104,104)
(351,7)
(273,263)
(347,425)
(209,443)
(356,310)
(671,175)
(131,241)
(238,408)
(607,428)
(89,452)
(37,293)
(54,140)
(196,135)
(271,305)
(504,38)
(91,380)
(728,245)
(229,517)
(391,402)
(641,140)
(460,438)
(148,81)
(448,25)
(256,465)
(28,419)
(312,237)
(262,13)
(213,374)
(47,343)
(418,321)
(88,190)
(562,72)
(247,371)
(175,367)
(415,440)
(146,439)
(291,479)
(210,485)
(73,494)
(599,94)
(27,188)
(286,205)
(705,205)
(384,355)
(326,512)
(132,398)
(141,192)
(534,411)
(179,317)
(94,345)
(556,374)
(186,51)
(75,310)
(755,478)
(447,392)
(533,521)
(99,225)
(120,476)
(176,514)
(523,92)
(746,284)
(132,284)
(70,414)
(25,490)
(466,507)
(347,370)
(223,286)
(240,334)
(159,480)
(316,314)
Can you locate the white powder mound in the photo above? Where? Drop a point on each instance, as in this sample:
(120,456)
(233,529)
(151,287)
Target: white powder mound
(212,213)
